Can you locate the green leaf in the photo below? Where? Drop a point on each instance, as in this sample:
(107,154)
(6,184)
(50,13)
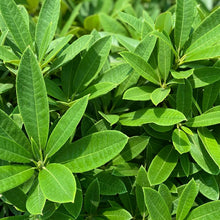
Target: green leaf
(32,98)
(16,24)
(156,205)
(141,181)
(110,118)
(133,148)
(98,89)
(59,46)
(159,116)
(164,59)
(162,165)
(186,200)
(207,211)
(109,184)
(145,48)
(9,129)
(110,24)
(11,151)
(116,214)
(36,201)
(210,94)
(159,94)
(66,126)
(57,183)
(185,163)
(75,208)
(17,197)
(182,74)
(12,176)
(7,55)
(166,194)
(70,20)
(48,19)
(207,33)
(125,169)
(140,93)
(210,143)
(164,22)
(92,197)
(184,20)
(70,52)
(92,151)
(180,141)
(205,119)
(203,54)
(184,98)
(166,39)
(200,77)
(200,155)
(141,67)
(92,63)
(4,87)
(208,186)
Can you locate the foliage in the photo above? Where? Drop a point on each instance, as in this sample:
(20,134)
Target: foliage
(109,111)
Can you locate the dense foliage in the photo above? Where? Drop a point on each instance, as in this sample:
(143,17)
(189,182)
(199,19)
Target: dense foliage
(109,109)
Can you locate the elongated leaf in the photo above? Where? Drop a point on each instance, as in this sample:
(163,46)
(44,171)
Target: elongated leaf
(98,89)
(75,208)
(92,197)
(6,55)
(109,184)
(186,200)
(48,19)
(57,49)
(140,93)
(112,25)
(204,76)
(66,126)
(166,194)
(141,67)
(207,211)
(159,94)
(210,143)
(9,129)
(164,22)
(32,98)
(165,38)
(141,181)
(184,20)
(182,74)
(92,151)
(135,146)
(203,54)
(57,183)
(184,98)
(159,116)
(69,22)
(145,48)
(201,156)
(206,119)
(15,23)
(156,205)
(4,87)
(12,176)
(116,213)
(36,201)
(210,94)
(162,165)
(180,141)
(70,52)
(92,63)
(207,33)
(11,151)
(164,59)
(208,185)
(17,197)
(110,118)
